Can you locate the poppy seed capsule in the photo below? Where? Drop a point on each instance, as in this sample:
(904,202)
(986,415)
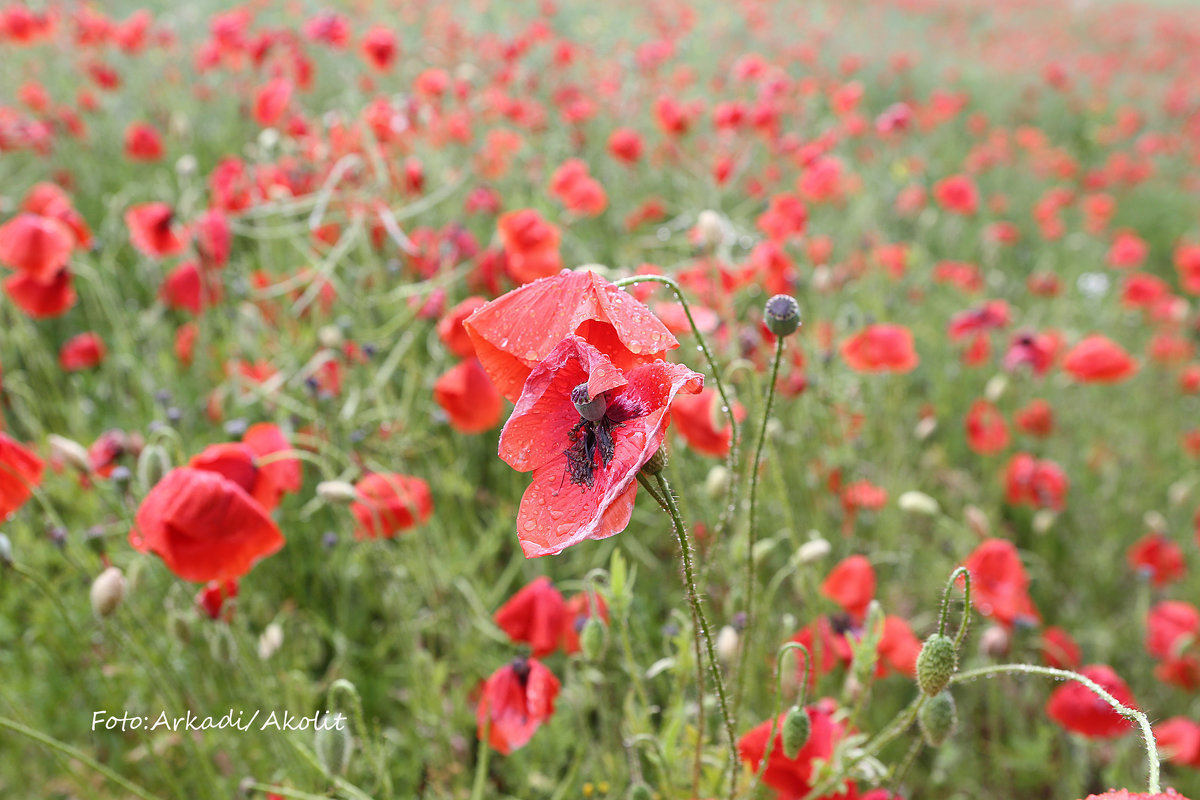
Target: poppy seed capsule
(782,315)
(936,663)
(592,410)
(938,718)
(797,727)
(656,462)
(108,590)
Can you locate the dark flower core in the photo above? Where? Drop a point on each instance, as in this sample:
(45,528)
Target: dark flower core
(592,437)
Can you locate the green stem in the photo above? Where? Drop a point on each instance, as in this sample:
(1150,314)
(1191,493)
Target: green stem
(78,755)
(898,725)
(800,701)
(481,763)
(693,593)
(752,534)
(1131,714)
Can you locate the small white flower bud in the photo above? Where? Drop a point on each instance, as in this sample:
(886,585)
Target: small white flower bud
(918,503)
(925,428)
(108,590)
(710,228)
(69,451)
(813,550)
(995,387)
(270,640)
(337,492)
(727,645)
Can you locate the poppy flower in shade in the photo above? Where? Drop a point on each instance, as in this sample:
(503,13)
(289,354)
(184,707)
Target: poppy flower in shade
(40,300)
(531,244)
(36,247)
(211,599)
(580,609)
(451,331)
(184,289)
(271,101)
(880,348)
(1036,419)
(986,430)
(1127,251)
(957,194)
(379,48)
(143,142)
(999,583)
(585,429)
(471,402)
(851,584)
(1158,558)
(791,776)
(214,238)
(1035,350)
(82,351)
(696,418)
(580,303)
(204,526)
(1171,628)
(49,200)
(1098,359)
(152,230)
(1077,709)
(20,473)
(1035,483)
(1178,741)
(1059,650)
(515,701)
(536,615)
(389,503)
(827,645)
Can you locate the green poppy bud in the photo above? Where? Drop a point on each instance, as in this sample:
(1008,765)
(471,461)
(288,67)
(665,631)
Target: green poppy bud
(938,718)
(782,315)
(936,663)
(797,727)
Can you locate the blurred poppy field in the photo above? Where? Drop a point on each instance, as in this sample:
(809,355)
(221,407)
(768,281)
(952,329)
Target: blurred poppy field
(545,399)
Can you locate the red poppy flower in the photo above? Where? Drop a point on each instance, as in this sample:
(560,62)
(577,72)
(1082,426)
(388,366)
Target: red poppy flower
(1187,264)
(143,142)
(577,190)
(1059,650)
(20,473)
(531,244)
(82,351)
(536,615)
(580,303)
(1124,794)
(49,200)
(625,145)
(152,231)
(1157,557)
(515,701)
(271,101)
(38,299)
(204,526)
(957,194)
(696,418)
(1077,709)
(469,399)
(827,645)
(451,331)
(585,429)
(1128,251)
(211,599)
(1037,351)
(986,430)
(898,648)
(1036,419)
(1178,741)
(389,503)
(880,348)
(791,776)
(1035,483)
(36,247)
(184,288)
(1097,359)
(214,238)
(379,48)
(851,584)
(1171,628)
(999,584)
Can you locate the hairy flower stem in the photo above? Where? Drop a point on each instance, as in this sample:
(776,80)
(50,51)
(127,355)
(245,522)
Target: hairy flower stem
(1131,714)
(481,762)
(726,403)
(689,575)
(752,535)
(800,701)
(77,755)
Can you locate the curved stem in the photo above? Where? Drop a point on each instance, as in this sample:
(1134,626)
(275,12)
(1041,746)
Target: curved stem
(1131,714)
(78,755)
(689,575)
(800,701)
(946,601)
(752,533)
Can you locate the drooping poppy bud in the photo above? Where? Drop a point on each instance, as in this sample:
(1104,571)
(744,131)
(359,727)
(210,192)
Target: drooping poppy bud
(938,718)
(937,662)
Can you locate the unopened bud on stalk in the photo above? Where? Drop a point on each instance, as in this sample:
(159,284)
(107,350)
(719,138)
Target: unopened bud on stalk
(337,492)
(925,428)
(797,727)
(814,549)
(152,465)
(222,645)
(640,791)
(108,590)
(727,644)
(1043,520)
(270,640)
(1155,521)
(994,642)
(717,482)
(591,639)
(333,745)
(179,626)
(918,503)
(994,389)
(782,315)
(657,462)
(938,718)
(937,662)
(6,556)
(330,336)
(977,521)
(69,451)
(710,228)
